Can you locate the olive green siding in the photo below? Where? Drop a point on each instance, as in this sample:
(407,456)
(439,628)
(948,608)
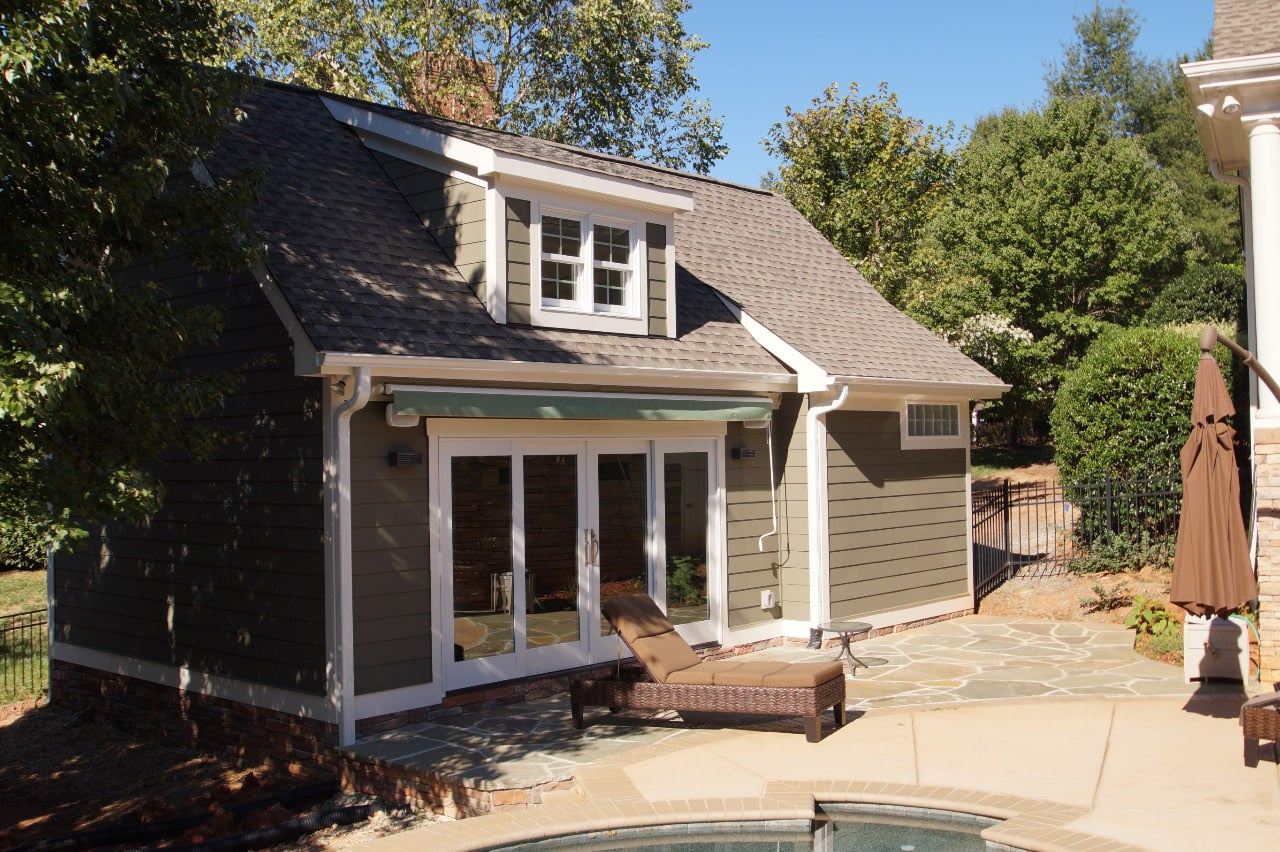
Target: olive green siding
(452,209)
(749,515)
(656,264)
(228,577)
(793,506)
(898,520)
(390,520)
(519,272)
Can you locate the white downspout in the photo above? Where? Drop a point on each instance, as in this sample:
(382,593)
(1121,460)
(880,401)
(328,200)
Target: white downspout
(340,625)
(819,543)
(773,485)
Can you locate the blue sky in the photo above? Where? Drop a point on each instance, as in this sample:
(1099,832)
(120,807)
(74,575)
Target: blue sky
(948,60)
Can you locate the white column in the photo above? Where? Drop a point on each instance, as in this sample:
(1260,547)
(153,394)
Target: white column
(1264,179)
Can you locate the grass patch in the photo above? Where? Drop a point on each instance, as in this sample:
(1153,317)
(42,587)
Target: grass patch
(989,461)
(22,591)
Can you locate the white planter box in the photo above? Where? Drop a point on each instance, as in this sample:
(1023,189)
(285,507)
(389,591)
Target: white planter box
(1215,647)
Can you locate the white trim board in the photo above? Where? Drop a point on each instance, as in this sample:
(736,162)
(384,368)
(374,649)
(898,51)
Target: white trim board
(202,683)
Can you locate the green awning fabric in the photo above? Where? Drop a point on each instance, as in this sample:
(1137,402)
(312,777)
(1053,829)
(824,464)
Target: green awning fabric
(451,402)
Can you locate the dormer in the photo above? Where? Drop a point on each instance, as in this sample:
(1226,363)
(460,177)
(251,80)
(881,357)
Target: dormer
(541,243)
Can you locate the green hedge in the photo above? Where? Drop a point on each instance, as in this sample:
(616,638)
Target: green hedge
(1125,411)
(1212,293)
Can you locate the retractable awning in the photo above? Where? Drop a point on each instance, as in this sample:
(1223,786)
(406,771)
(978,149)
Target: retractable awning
(572,405)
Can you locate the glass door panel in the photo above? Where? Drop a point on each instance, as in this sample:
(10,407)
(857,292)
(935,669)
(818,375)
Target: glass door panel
(620,548)
(685,498)
(551,555)
(483,571)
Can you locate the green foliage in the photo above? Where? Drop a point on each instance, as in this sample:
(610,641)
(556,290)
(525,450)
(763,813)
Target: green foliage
(685,587)
(1133,545)
(104,107)
(1124,412)
(1146,100)
(1106,600)
(865,175)
(1062,229)
(22,546)
(1150,617)
(611,75)
(1205,293)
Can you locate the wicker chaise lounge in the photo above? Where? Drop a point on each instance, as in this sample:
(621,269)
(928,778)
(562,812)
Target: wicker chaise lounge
(1260,718)
(682,681)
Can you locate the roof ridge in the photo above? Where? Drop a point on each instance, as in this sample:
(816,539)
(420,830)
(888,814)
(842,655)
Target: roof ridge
(414,116)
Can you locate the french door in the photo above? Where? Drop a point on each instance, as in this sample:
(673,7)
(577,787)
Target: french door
(535,534)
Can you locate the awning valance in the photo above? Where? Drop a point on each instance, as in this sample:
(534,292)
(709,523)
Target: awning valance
(571,405)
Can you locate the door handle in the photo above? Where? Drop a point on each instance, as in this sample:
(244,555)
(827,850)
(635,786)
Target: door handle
(595,548)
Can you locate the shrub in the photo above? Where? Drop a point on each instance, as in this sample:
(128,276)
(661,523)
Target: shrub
(1211,293)
(22,546)
(1125,411)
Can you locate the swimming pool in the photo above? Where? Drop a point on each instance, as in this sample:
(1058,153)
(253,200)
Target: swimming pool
(837,828)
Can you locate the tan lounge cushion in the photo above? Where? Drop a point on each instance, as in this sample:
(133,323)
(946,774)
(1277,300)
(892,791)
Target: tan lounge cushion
(804,674)
(636,616)
(748,674)
(703,674)
(664,654)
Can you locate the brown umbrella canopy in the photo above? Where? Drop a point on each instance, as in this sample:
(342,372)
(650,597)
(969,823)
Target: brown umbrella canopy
(1211,567)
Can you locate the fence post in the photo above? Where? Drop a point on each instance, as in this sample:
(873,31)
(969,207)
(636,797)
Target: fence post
(1106,502)
(1005,513)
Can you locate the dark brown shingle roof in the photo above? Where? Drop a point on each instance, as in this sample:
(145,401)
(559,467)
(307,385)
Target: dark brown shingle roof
(363,276)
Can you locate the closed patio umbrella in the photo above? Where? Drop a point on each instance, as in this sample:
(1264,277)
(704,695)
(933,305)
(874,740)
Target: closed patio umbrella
(1212,571)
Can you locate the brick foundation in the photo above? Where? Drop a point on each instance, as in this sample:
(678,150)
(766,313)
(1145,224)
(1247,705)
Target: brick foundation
(1266,444)
(240,732)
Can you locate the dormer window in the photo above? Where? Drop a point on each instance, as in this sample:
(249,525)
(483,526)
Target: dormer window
(588,264)
(594,269)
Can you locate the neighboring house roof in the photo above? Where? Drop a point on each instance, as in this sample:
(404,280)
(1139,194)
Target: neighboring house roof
(362,275)
(1245,28)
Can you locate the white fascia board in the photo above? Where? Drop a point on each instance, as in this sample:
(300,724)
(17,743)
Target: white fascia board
(809,376)
(476,156)
(537,173)
(526,372)
(377,129)
(920,390)
(305,359)
(419,157)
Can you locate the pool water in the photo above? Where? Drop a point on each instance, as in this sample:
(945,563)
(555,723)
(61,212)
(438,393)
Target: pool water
(839,828)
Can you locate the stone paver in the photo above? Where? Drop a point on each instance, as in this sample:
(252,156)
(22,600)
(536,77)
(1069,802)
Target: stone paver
(1061,730)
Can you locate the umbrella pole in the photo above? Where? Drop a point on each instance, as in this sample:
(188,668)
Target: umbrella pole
(1210,335)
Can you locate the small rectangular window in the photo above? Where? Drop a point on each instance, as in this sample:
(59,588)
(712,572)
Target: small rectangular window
(933,421)
(933,426)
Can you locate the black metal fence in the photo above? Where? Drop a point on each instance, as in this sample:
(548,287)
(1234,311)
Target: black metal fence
(24,654)
(1048,528)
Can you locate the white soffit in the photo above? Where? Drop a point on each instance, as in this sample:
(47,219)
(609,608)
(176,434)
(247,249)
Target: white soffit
(487,162)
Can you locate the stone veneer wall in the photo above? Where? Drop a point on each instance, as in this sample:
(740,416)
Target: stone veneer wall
(1266,444)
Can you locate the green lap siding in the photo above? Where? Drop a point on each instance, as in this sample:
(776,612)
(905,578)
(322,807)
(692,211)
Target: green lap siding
(452,209)
(898,524)
(228,577)
(792,546)
(749,515)
(391,547)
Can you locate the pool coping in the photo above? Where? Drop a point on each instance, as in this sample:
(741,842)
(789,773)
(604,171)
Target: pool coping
(605,799)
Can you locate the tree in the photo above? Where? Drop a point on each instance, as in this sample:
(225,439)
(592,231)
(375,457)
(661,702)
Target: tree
(1068,228)
(611,75)
(1146,99)
(104,106)
(865,175)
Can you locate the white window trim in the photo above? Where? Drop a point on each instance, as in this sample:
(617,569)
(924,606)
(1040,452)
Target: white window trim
(934,442)
(583,312)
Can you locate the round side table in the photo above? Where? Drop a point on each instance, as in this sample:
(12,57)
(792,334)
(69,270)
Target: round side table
(846,631)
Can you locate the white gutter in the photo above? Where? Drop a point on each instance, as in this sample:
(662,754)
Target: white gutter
(819,520)
(339,622)
(899,388)
(506,372)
